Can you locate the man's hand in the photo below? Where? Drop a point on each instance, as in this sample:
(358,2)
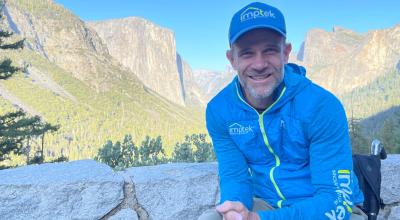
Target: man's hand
(236,211)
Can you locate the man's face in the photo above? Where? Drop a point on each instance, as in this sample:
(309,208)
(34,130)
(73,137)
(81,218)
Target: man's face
(259,57)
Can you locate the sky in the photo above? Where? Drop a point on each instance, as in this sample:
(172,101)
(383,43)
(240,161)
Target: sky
(201,27)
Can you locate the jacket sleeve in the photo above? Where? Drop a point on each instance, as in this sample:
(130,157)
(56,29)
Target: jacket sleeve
(235,182)
(330,168)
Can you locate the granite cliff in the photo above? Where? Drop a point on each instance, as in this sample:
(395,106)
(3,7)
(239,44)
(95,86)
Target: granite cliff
(147,50)
(343,60)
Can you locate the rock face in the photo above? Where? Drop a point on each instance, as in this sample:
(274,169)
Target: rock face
(72,80)
(146,49)
(342,60)
(89,190)
(63,39)
(192,93)
(98,53)
(80,189)
(169,191)
(390,181)
(212,82)
(149,51)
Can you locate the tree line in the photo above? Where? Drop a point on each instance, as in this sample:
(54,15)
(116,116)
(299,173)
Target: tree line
(125,153)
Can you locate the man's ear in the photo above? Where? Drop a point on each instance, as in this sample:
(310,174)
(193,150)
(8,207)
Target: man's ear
(229,56)
(286,51)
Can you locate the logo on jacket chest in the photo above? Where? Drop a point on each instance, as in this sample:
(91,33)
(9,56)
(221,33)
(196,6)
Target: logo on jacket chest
(238,129)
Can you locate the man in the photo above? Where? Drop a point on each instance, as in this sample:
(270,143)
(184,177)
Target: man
(281,142)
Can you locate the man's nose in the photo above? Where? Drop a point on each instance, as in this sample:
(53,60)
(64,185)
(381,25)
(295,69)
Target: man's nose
(259,63)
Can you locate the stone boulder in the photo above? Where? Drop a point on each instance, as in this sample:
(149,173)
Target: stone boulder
(90,190)
(76,190)
(176,191)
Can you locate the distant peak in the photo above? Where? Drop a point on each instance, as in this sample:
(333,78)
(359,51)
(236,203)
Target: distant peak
(338,29)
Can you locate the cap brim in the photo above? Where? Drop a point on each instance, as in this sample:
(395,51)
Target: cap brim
(245,30)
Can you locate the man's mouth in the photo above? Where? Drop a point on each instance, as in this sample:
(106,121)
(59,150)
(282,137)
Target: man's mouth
(260,77)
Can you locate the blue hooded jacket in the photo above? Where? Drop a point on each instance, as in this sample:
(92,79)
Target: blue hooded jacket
(296,155)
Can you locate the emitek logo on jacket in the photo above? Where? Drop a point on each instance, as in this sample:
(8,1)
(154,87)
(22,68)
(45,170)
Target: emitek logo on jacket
(238,129)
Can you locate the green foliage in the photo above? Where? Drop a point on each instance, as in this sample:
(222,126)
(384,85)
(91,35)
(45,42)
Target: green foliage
(358,141)
(119,155)
(390,133)
(93,118)
(36,159)
(195,148)
(6,69)
(183,152)
(91,107)
(109,154)
(379,95)
(129,153)
(59,159)
(204,150)
(368,101)
(16,128)
(151,152)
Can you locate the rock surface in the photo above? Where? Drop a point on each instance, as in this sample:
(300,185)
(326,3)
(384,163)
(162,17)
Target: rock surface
(89,190)
(170,191)
(80,189)
(146,49)
(62,38)
(395,213)
(342,60)
(125,214)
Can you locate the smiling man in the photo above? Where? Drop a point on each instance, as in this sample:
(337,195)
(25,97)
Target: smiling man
(282,142)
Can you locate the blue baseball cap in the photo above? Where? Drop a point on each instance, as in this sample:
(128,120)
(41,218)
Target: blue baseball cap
(253,16)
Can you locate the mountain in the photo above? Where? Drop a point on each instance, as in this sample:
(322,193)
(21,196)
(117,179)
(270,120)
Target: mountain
(147,50)
(363,70)
(193,94)
(211,82)
(343,60)
(73,80)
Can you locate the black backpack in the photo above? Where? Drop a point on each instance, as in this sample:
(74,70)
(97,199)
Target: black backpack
(368,171)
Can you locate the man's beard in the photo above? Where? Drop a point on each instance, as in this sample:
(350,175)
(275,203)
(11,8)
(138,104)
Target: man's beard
(266,92)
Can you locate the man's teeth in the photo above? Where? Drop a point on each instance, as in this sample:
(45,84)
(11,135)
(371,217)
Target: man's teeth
(260,77)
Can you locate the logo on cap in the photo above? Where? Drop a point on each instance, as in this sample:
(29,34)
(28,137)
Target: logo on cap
(253,13)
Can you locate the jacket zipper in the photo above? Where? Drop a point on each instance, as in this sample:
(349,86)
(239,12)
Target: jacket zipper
(266,142)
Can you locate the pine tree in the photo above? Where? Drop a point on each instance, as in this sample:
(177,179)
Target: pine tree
(195,148)
(109,154)
(151,152)
(183,152)
(15,127)
(129,153)
(204,150)
(6,67)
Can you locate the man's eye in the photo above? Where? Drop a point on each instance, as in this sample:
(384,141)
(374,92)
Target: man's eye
(271,50)
(248,53)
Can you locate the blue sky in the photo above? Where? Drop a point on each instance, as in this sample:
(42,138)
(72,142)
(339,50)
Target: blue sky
(201,27)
